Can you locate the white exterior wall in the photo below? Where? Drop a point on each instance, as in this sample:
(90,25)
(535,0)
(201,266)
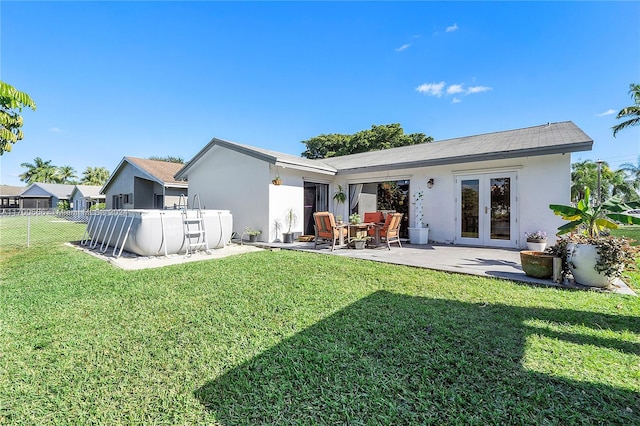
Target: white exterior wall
(541,181)
(289,195)
(228,180)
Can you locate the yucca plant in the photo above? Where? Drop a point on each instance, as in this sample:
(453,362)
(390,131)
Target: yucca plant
(592,220)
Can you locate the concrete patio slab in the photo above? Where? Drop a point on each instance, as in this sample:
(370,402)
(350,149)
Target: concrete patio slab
(482,261)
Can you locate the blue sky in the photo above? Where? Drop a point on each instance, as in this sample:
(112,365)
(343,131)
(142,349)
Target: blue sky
(114,79)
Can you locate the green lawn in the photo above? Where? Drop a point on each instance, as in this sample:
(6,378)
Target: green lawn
(20,231)
(297,338)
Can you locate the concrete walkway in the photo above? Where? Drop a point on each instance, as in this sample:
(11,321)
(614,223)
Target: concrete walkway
(482,261)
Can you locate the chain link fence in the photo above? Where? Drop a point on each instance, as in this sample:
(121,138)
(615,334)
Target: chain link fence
(30,227)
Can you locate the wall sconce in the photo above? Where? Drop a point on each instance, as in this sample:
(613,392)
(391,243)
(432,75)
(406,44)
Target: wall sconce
(430,183)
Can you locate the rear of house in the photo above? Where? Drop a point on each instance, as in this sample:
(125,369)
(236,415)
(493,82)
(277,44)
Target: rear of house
(485,190)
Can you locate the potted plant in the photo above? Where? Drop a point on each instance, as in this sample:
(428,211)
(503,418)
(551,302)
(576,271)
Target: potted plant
(253,234)
(277,180)
(536,240)
(339,218)
(354,219)
(360,241)
(290,220)
(594,258)
(419,234)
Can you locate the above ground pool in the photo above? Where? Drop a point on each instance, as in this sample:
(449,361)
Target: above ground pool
(158,232)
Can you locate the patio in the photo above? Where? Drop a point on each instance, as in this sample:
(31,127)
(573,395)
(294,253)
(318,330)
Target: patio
(482,261)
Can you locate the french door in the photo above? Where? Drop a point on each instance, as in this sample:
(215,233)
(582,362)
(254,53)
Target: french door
(486,209)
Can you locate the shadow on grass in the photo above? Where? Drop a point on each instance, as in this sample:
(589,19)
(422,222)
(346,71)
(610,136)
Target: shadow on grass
(395,359)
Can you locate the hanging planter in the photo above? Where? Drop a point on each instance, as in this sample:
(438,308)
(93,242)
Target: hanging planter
(277,181)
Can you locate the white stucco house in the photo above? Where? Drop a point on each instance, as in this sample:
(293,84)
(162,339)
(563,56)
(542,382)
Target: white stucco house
(485,190)
(139,183)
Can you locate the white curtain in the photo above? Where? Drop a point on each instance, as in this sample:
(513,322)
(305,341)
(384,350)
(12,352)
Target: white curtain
(354,195)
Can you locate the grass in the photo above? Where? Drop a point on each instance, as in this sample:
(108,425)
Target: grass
(20,231)
(297,338)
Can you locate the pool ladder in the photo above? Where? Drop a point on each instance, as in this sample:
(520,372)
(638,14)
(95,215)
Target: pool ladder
(195,233)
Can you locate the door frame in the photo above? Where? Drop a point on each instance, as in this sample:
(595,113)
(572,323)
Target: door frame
(484,206)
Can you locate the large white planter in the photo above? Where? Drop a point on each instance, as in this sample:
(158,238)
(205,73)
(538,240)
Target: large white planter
(582,260)
(536,246)
(419,235)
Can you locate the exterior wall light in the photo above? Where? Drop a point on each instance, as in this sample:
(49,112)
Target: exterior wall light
(430,183)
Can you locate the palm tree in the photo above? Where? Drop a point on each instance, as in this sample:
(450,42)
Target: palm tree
(67,174)
(584,174)
(633,170)
(39,171)
(95,176)
(622,187)
(11,103)
(632,111)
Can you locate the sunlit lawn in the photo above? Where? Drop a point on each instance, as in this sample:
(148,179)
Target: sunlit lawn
(297,338)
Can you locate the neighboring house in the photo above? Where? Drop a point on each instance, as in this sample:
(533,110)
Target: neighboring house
(139,183)
(10,196)
(485,190)
(45,195)
(85,196)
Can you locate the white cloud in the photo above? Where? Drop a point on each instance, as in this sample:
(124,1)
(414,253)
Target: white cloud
(431,89)
(607,112)
(452,28)
(403,47)
(454,88)
(477,89)
(55,130)
(456,101)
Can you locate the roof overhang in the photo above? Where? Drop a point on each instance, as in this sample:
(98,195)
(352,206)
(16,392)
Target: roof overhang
(489,156)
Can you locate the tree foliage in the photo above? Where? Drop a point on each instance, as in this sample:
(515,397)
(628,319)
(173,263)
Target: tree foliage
(584,174)
(378,137)
(11,103)
(633,111)
(39,171)
(97,176)
(45,172)
(168,158)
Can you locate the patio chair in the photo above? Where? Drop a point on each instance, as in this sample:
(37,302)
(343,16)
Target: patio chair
(326,229)
(374,217)
(390,231)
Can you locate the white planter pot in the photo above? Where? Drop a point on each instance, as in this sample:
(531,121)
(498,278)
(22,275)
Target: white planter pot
(536,246)
(419,235)
(582,260)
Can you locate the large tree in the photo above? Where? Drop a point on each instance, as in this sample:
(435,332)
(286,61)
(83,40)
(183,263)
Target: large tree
(11,103)
(97,176)
(67,175)
(633,111)
(39,171)
(168,159)
(378,137)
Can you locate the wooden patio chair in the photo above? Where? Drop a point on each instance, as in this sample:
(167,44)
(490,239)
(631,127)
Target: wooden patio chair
(326,229)
(390,231)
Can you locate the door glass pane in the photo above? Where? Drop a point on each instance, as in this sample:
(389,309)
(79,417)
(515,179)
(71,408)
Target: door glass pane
(470,198)
(500,208)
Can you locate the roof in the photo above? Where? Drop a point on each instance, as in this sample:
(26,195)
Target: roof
(161,172)
(550,138)
(273,157)
(39,189)
(90,191)
(11,191)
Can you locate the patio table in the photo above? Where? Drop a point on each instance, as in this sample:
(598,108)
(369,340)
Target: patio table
(365,226)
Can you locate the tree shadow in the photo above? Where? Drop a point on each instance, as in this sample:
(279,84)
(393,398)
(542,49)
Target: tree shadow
(397,359)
